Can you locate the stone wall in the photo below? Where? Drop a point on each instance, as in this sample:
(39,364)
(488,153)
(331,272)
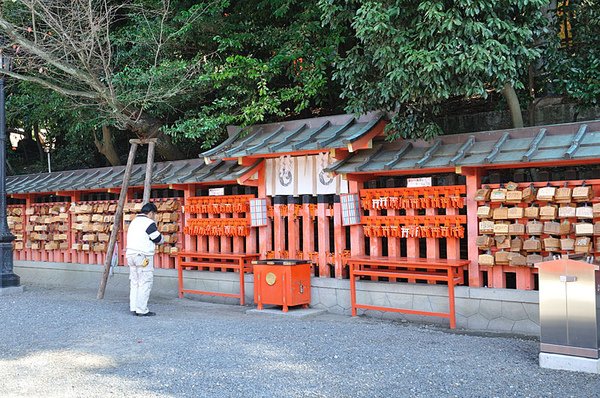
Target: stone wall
(477,309)
(498,120)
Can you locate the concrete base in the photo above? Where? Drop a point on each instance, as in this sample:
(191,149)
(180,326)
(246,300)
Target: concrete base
(568,362)
(7,291)
(293,312)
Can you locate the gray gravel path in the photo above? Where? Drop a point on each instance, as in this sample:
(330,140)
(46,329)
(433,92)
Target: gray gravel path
(64,343)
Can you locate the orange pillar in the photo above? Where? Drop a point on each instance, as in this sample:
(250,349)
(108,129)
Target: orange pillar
(238,241)
(412,244)
(433,246)
(339,233)
(188,243)
(293,230)
(308,227)
(452,244)
(473,177)
(225,240)
(323,230)
(278,225)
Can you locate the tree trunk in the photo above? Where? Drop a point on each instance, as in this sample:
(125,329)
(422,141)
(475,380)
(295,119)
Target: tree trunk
(513,105)
(38,141)
(149,127)
(106,147)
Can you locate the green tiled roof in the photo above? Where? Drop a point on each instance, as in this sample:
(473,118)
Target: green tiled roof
(177,172)
(516,146)
(321,133)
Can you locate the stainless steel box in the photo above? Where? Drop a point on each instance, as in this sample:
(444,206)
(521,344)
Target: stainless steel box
(569,298)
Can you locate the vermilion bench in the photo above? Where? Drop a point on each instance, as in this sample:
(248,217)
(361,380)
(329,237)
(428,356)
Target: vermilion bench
(430,270)
(241,263)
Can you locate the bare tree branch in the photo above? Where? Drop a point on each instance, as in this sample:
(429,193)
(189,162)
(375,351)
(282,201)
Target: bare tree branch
(51,86)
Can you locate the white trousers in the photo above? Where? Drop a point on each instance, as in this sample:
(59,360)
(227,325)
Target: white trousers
(140,281)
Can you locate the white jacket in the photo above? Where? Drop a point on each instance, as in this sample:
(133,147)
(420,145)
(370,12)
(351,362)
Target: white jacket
(142,236)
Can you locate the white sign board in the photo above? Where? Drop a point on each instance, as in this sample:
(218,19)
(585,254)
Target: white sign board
(216,191)
(418,182)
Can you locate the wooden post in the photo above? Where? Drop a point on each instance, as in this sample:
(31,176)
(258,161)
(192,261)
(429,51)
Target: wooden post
(149,166)
(118,220)
(433,244)
(473,177)
(339,237)
(453,244)
(187,239)
(323,228)
(308,228)
(278,225)
(293,234)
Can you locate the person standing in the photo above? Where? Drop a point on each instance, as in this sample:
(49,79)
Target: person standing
(142,238)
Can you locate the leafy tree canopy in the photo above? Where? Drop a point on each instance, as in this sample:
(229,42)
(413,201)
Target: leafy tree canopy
(574,64)
(409,57)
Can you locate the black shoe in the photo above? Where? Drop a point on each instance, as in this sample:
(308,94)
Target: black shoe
(149,313)
(133,312)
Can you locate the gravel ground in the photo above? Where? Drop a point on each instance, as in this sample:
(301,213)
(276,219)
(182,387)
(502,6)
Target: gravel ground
(64,343)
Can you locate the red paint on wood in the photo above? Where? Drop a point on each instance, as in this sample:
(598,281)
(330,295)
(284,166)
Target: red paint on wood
(323,228)
(452,244)
(279,230)
(393,243)
(293,232)
(524,278)
(496,279)
(473,183)
(340,240)
(308,233)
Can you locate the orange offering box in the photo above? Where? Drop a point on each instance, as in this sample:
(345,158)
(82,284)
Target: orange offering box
(282,282)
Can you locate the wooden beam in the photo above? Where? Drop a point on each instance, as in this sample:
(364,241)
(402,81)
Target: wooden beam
(358,177)
(245,178)
(148,177)
(366,141)
(143,141)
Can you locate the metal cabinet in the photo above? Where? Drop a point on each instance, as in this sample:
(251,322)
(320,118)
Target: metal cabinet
(569,297)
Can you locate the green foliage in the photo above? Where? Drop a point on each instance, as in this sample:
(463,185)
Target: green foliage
(271,60)
(574,65)
(224,62)
(410,57)
(68,127)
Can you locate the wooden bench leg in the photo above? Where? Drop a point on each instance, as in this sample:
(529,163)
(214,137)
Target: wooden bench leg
(242,289)
(452,310)
(180,279)
(352,289)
